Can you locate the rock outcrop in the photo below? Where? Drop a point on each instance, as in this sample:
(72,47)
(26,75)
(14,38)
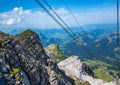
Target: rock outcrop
(74,68)
(54,52)
(24,62)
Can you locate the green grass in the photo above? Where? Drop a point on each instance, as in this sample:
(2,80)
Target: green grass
(102,74)
(101,70)
(53,49)
(26,34)
(3,37)
(77,82)
(3,40)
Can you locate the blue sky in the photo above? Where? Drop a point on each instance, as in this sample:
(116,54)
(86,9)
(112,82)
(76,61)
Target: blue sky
(26,13)
(6,5)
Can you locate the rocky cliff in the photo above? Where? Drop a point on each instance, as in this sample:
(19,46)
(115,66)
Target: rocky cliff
(79,71)
(24,62)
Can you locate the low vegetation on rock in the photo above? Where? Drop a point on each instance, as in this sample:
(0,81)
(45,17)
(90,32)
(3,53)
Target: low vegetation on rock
(54,52)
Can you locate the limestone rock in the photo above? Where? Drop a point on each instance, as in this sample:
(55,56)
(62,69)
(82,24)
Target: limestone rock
(23,61)
(73,67)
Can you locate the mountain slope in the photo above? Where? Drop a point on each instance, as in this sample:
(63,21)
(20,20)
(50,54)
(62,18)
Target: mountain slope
(73,67)
(24,62)
(54,52)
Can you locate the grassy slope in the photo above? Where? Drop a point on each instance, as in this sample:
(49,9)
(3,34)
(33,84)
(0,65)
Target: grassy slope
(53,50)
(101,70)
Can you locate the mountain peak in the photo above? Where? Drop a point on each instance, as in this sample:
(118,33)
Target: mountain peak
(23,61)
(27,32)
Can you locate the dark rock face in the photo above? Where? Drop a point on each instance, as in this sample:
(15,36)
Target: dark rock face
(24,62)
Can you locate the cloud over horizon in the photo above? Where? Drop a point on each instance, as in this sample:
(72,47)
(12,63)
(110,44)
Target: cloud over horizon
(19,18)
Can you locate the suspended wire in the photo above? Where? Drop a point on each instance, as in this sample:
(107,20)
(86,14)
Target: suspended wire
(88,52)
(118,23)
(76,37)
(59,17)
(40,4)
(85,33)
(74,17)
(60,20)
(72,35)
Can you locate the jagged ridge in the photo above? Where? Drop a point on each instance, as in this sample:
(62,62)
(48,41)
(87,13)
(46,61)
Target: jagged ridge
(24,62)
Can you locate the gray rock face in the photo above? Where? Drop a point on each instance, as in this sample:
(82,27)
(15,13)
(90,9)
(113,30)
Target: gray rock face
(73,67)
(24,62)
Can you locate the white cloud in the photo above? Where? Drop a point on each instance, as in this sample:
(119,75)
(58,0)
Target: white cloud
(19,18)
(13,17)
(10,21)
(62,11)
